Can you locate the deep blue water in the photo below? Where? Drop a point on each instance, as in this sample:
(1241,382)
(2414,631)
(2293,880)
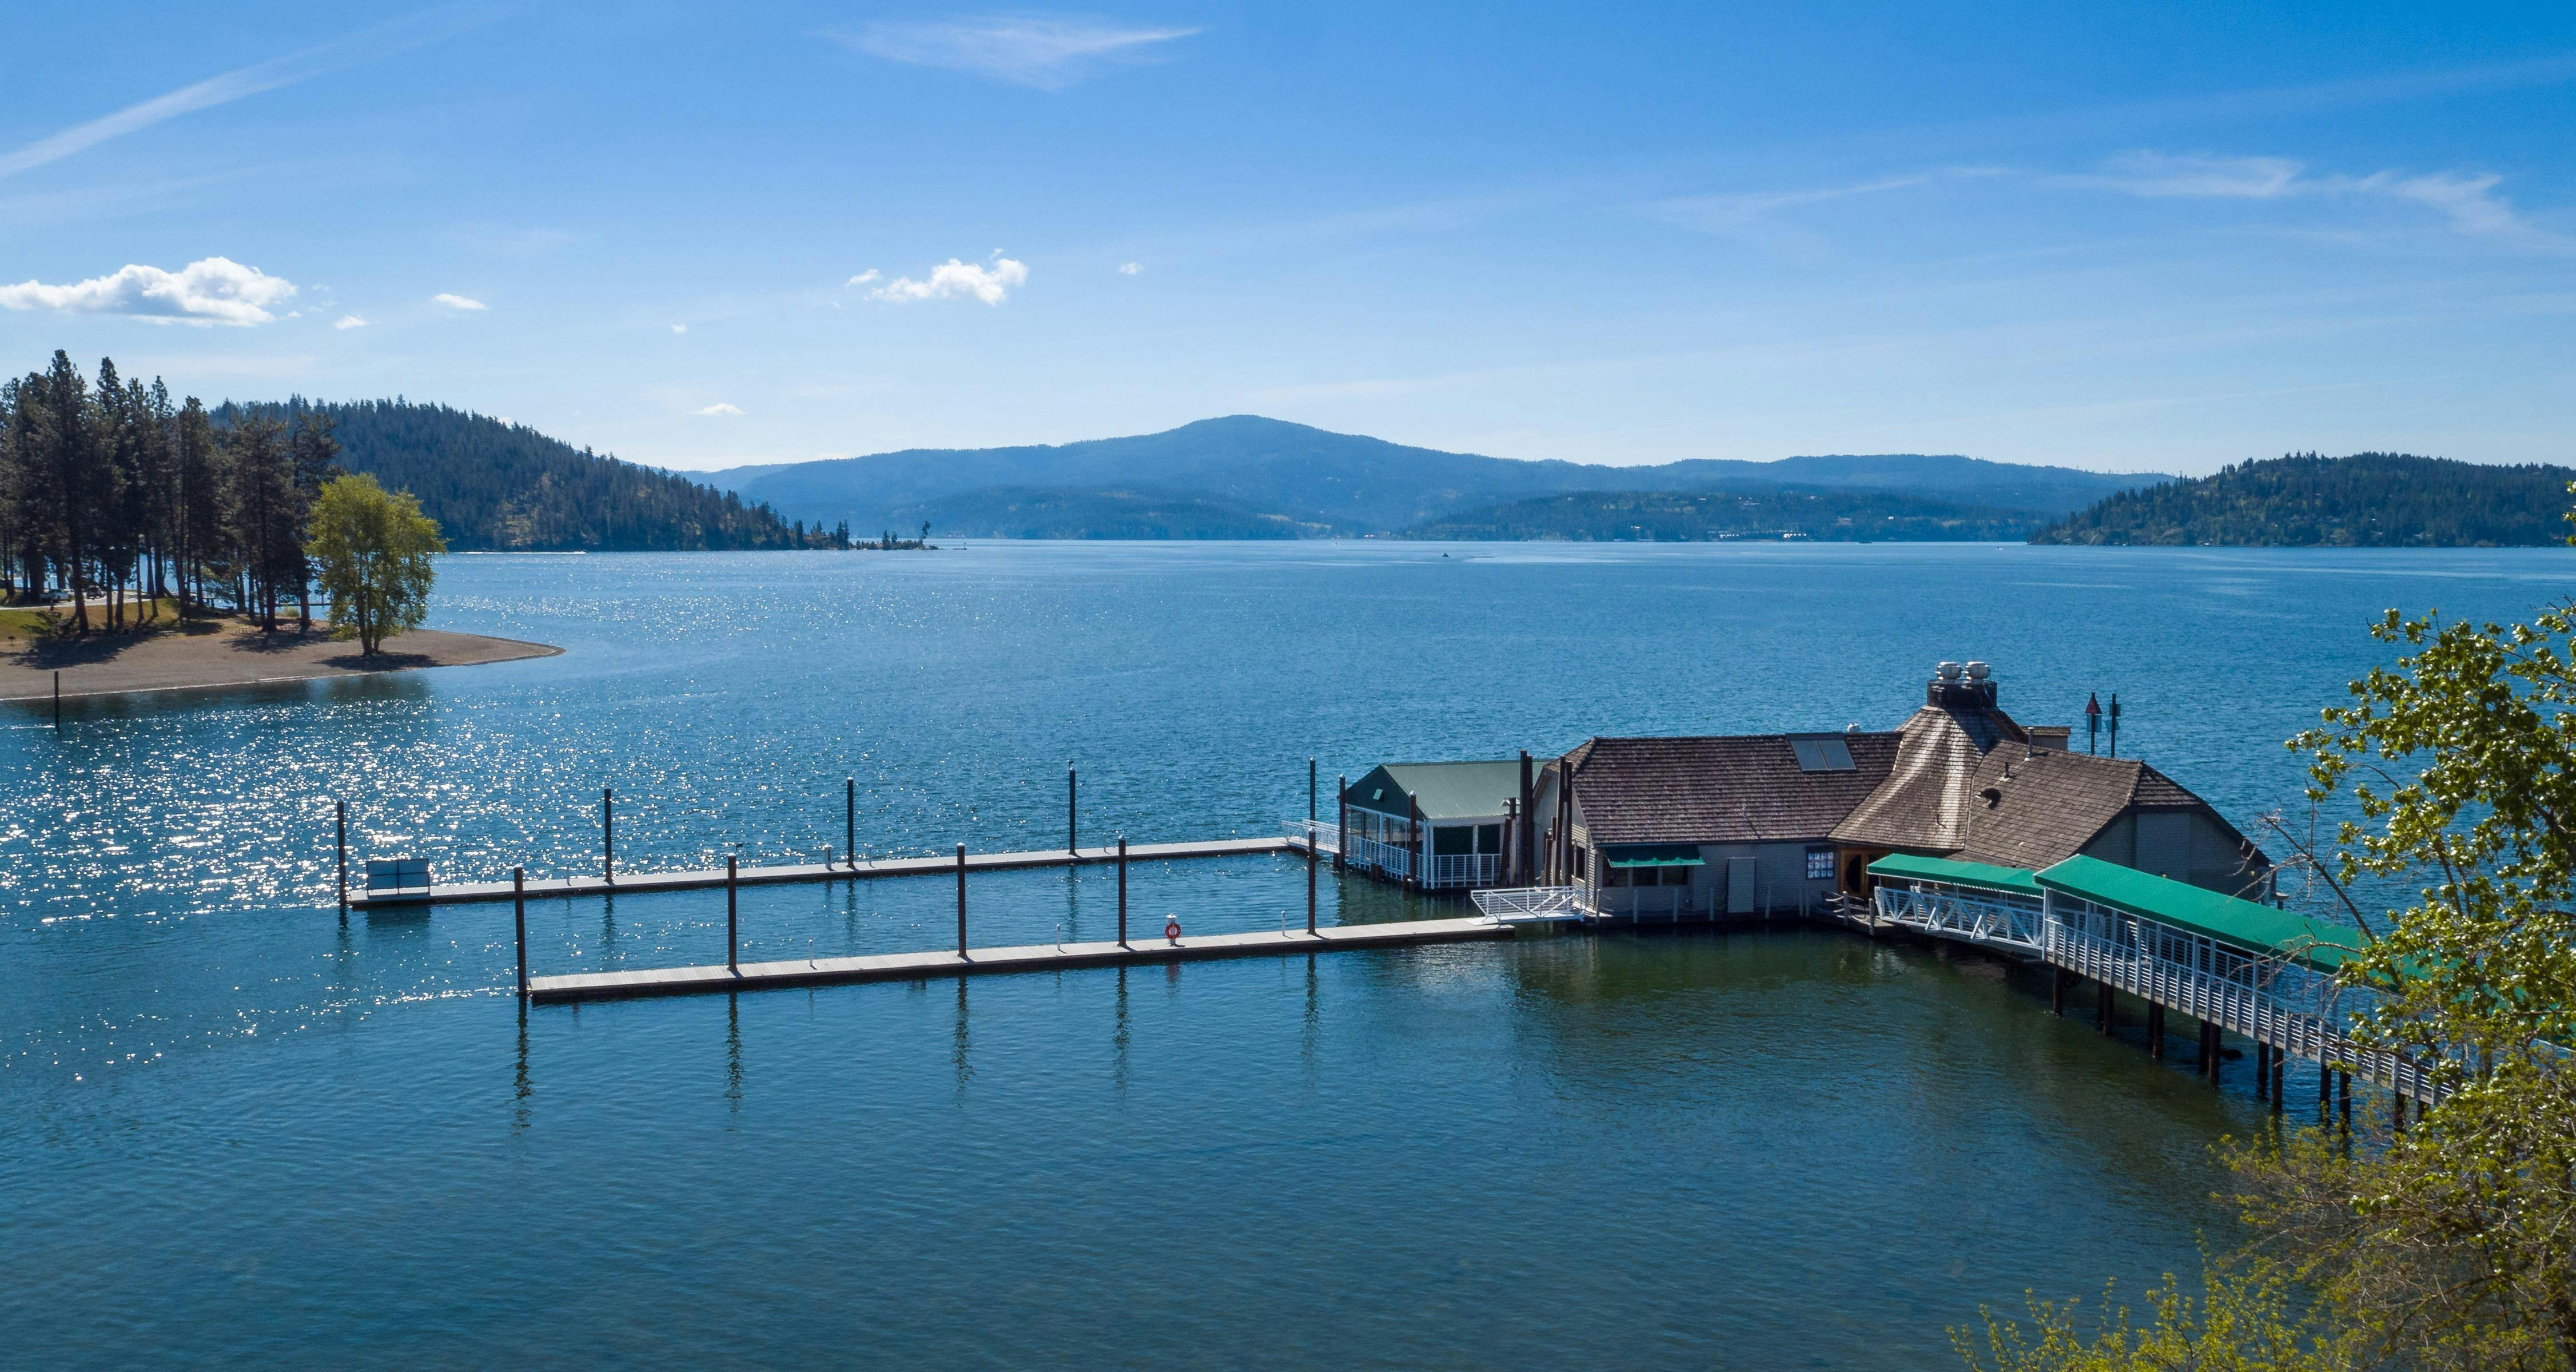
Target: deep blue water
(240,1131)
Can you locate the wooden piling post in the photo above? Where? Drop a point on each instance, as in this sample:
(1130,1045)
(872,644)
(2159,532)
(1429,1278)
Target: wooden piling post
(519,918)
(2262,1070)
(850,819)
(1072,842)
(2280,1079)
(2155,1031)
(2397,1109)
(2105,1010)
(1341,823)
(1122,890)
(2325,1086)
(340,814)
(1311,795)
(1310,881)
(2057,992)
(607,835)
(733,923)
(58,702)
(2343,1098)
(961,900)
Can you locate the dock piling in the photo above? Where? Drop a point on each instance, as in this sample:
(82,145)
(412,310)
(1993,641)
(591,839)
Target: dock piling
(1122,890)
(733,922)
(1072,843)
(961,900)
(1310,790)
(519,921)
(58,702)
(340,816)
(1310,881)
(1341,822)
(607,835)
(2262,1070)
(850,818)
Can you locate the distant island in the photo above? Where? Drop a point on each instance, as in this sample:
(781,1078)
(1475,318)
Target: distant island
(1244,476)
(2366,500)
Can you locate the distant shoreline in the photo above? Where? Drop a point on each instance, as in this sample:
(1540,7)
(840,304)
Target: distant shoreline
(230,652)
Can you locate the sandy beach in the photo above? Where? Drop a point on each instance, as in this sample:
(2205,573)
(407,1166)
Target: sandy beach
(228,652)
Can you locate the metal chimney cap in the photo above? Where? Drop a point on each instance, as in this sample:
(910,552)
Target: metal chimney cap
(1978,671)
(1947,671)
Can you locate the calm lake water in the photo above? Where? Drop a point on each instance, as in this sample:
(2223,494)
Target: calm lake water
(240,1131)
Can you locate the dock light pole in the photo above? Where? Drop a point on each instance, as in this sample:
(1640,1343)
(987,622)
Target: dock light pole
(850,818)
(733,922)
(961,900)
(1122,890)
(340,809)
(2092,722)
(1071,843)
(607,835)
(519,919)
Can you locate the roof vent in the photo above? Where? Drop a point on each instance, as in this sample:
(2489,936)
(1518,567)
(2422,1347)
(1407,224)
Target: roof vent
(1947,671)
(1957,687)
(1978,671)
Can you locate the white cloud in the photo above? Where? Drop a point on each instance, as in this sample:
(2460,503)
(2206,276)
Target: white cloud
(211,290)
(1047,54)
(350,321)
(679,328)
(862,278)
(2468,200)
(720,409)
(951,279)
(1718,212)
(457,302)
(1130,268)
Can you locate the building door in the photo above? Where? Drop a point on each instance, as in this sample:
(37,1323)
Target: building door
(1739,886)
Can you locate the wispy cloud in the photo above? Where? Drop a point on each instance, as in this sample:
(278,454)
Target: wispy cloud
(211,290)
(351,321)
(381,40)
(1046,54)
(719,410)
(862,278)
(952,280)
(2467,199)
(458,302)
(1130,268)
(1735,210)
(679,328)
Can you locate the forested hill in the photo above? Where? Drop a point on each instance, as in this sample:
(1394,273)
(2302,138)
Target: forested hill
(496,486)
(2367,500)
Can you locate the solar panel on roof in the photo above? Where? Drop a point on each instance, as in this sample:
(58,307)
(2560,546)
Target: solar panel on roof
(1822,755)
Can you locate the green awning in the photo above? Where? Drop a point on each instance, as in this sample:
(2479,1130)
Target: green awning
(2255,928)
(1654,855)
(1983,876)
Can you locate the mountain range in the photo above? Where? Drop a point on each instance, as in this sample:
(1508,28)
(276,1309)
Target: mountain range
(2366,500)
(1244,476)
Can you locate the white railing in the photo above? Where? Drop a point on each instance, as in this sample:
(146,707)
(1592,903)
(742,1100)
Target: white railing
(1524,903)
(1957,912)
(2274,1001)
(1313,833)
(1466,869)
(1391,859)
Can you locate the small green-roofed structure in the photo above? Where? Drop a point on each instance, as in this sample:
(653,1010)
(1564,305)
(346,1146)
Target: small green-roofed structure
(2258,929)
(1983,876)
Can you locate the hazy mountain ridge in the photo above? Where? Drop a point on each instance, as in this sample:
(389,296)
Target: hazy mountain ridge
(2365,500)
(1343,484)
(1757,512)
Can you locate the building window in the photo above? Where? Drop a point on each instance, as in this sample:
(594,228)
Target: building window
(1577,868)
(1820,864)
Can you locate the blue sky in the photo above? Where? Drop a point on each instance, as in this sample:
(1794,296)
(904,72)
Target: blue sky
(2163,236)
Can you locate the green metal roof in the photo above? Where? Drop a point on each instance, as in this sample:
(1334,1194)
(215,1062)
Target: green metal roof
(1653,855)
(1446,790)
(2243,923)
(1983,875)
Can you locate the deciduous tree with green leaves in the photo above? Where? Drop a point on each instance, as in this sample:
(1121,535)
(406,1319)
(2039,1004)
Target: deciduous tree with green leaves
(374,551)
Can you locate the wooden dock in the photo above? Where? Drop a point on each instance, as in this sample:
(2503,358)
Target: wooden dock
(645,883)
(1039,957)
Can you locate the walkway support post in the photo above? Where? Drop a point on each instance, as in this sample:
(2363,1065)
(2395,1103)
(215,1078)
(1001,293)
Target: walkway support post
(733,924)
(961,900)
(2057,992)
(340,814)
(850,819)
(607,835)
(2104,1009)
(2155,1031)
(2280,1079)
(1122,890)
(519,918)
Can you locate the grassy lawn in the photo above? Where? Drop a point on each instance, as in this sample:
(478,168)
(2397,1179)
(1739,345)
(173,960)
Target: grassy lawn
(20,627)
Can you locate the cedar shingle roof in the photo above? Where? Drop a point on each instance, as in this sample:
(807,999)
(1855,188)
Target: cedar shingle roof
(1923,805)
(2049,805)
(1746,789)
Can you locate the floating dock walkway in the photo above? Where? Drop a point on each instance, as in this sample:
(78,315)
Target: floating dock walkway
(645,883)
(1040,957)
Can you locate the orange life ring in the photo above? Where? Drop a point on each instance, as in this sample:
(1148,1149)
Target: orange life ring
(1172,927)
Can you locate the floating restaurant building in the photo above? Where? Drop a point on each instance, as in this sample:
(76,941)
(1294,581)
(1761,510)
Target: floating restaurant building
(1765,825)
